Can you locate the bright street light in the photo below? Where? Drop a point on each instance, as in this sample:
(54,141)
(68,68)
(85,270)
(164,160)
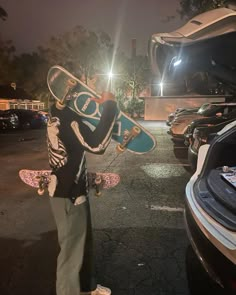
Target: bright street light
(161,87)
(110,75)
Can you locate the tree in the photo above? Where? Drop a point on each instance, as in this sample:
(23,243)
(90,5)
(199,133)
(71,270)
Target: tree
(87,55)
(80,51)
(3,14)
(134,80)
(7,51)
(30,72)
(191,8)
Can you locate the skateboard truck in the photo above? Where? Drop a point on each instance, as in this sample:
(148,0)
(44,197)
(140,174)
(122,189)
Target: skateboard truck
(98,183)
(128,136)
(70,85)
(43,183)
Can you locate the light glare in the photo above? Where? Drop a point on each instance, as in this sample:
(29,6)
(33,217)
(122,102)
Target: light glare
(110,75)
(178,62)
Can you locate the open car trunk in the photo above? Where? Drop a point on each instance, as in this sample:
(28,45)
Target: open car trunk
(215,194)
(206,44)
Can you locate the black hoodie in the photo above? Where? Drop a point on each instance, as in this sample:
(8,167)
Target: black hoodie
(68,138)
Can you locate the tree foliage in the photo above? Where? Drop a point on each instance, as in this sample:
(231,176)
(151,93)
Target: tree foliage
(134,79)
(191,8)
(7,51)
(30,72)
(79,50)
(3,14)
(87,55)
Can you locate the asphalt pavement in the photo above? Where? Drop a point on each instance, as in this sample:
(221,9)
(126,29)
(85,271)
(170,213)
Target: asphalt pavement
(140,238)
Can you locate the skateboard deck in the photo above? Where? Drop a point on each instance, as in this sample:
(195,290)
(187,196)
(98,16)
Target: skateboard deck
(40,179)
(69,90)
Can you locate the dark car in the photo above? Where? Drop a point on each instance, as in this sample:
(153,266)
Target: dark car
(29,118)
(210,211)
(207,122)
(189,111)
(203,135)
(181,123)
(8,120)
(180,111)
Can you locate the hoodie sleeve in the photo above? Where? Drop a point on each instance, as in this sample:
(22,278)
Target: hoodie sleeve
(97,140)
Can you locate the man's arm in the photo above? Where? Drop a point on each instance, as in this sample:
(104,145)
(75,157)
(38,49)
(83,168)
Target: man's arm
(97,140)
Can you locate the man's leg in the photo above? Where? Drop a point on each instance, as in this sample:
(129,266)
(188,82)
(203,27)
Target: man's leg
(87,273)
(71,224)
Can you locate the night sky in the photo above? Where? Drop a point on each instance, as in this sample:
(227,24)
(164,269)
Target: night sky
(31,23)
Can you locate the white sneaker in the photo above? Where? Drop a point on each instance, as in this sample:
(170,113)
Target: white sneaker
(99,291)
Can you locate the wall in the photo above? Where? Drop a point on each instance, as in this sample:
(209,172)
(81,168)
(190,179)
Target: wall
(158,108)
(6,104)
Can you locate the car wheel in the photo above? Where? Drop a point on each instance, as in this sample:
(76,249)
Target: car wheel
(26,125)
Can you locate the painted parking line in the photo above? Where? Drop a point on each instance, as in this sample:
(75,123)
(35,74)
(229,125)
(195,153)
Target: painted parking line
(179,164)
(171,148)
(166,208)
(174,164)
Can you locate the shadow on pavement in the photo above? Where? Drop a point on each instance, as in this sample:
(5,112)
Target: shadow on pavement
(129,261)
(28,267)
(181,153)
(142,261)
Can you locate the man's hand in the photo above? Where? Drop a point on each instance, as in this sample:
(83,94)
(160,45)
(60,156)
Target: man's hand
(105,96)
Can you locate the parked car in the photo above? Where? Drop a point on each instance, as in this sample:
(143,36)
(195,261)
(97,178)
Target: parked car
(179,111)
(183,112)
(210,210)
(199,110)
(208,122)
(180,124)
(29,118)
(8,120)
(203,135)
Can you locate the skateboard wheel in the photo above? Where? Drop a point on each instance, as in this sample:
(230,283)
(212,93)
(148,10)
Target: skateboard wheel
(40,191)
(60,106)
(71,83)
(119,148)
(136,130)
(98,194)
(98,180)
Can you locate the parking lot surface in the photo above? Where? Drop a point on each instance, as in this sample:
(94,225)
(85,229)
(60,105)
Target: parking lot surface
(140,238)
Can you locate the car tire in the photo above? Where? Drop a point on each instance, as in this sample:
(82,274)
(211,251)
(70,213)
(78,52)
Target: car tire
(26,125)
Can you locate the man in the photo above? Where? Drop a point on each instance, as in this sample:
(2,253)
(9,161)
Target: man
(69,137)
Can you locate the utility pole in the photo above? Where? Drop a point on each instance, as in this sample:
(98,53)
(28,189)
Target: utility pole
(133,56)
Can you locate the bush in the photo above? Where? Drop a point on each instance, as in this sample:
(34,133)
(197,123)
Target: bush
(134,107)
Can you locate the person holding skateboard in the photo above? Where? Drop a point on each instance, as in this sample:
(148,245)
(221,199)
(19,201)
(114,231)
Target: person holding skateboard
(69,137)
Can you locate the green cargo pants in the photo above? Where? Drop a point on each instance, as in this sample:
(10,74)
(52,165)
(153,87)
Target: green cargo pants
(75,263)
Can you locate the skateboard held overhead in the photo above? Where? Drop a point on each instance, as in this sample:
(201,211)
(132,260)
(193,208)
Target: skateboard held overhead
(70,91)
(40,179)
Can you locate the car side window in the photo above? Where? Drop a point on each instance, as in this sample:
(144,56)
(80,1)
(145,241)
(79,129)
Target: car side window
(226,111)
